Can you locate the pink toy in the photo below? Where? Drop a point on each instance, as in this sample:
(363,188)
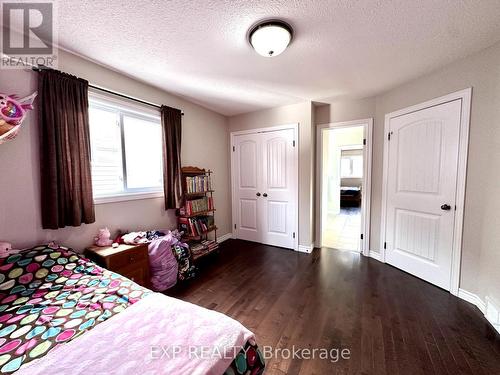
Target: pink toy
(5,249)
(12,113)
(103,238)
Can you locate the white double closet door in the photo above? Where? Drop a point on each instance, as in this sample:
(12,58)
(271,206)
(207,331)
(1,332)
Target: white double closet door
(265,187)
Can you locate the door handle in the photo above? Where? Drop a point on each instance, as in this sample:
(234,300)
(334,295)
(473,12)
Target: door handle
(258,194)
(264,195)
(446,207)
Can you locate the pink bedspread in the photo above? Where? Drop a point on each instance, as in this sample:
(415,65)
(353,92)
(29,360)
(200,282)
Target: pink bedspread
(157,335)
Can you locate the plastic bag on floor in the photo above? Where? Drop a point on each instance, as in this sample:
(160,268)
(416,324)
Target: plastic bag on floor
(163,264)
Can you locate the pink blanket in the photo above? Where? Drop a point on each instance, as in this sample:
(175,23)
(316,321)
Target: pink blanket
(157,335)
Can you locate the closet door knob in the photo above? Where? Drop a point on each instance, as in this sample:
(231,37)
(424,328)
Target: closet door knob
(258,194)
(264,195)
(446,207)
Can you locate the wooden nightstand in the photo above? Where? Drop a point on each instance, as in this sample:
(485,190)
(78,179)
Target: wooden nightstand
(130,261)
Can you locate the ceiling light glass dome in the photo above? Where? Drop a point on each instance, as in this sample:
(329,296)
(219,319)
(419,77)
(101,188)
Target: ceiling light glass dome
(270,38)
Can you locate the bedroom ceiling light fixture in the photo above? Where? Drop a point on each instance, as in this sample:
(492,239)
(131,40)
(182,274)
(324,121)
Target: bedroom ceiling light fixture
(271,37)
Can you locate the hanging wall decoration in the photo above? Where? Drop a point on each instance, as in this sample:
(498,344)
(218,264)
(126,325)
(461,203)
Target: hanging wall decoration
(12,113)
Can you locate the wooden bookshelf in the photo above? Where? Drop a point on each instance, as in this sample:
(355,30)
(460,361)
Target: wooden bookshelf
(199,194)
(201,213)
(197,217)
(213,229)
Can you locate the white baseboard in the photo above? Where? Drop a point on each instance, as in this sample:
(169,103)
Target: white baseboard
(472,298)
(306,248)
(492,314)
(375,255)
(224,237)
(489,309)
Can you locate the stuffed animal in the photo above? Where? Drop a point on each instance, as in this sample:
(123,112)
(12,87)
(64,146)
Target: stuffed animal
(5,249)
(103,238)
(12,112)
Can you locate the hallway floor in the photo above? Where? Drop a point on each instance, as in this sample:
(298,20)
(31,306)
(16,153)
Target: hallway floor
(343,231)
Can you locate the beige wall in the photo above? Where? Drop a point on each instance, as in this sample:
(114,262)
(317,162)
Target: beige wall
(205,144)
(481,238)
(330,110)
(296,113)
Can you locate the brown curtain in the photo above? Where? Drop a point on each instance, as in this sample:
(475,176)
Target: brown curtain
(66,183)
(172,183)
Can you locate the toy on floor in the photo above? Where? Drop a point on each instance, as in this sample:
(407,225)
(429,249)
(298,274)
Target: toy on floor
(12,113)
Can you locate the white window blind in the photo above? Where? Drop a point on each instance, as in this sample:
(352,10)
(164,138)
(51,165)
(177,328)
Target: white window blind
(351,164)
(126,150)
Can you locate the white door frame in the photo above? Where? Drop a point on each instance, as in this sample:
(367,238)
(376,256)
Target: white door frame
(466,97)
(367,178)
(295,127)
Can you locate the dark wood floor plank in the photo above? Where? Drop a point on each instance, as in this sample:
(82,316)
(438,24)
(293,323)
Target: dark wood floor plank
(392,322)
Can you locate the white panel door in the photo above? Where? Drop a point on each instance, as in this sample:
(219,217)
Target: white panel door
(247,176)
(265,185)
(279,188)
(421,191)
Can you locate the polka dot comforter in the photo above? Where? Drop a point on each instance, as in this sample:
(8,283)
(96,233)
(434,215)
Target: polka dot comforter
(50,296)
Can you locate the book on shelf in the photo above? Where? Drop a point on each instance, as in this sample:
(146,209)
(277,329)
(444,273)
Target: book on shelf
(196,226)
(210,244)
(203,247)
(198,184)
(197,248)
(197,205)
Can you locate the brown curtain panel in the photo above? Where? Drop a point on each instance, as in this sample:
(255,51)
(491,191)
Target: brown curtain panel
(66,183)
(172,183)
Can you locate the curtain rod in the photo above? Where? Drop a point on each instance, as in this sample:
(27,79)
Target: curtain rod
(37,69)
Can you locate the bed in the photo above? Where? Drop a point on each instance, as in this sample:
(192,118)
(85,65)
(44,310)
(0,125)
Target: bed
(350,196)
(61,313)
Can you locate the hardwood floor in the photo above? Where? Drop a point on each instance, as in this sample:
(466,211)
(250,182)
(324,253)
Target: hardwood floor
(392,322)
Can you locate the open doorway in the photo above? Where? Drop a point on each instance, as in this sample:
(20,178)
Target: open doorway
(344,161)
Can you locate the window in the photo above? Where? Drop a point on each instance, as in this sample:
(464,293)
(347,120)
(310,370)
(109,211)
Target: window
(126,150)
(351,163)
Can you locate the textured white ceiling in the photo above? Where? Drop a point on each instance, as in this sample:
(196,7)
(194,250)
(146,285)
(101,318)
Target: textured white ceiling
(343,48)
